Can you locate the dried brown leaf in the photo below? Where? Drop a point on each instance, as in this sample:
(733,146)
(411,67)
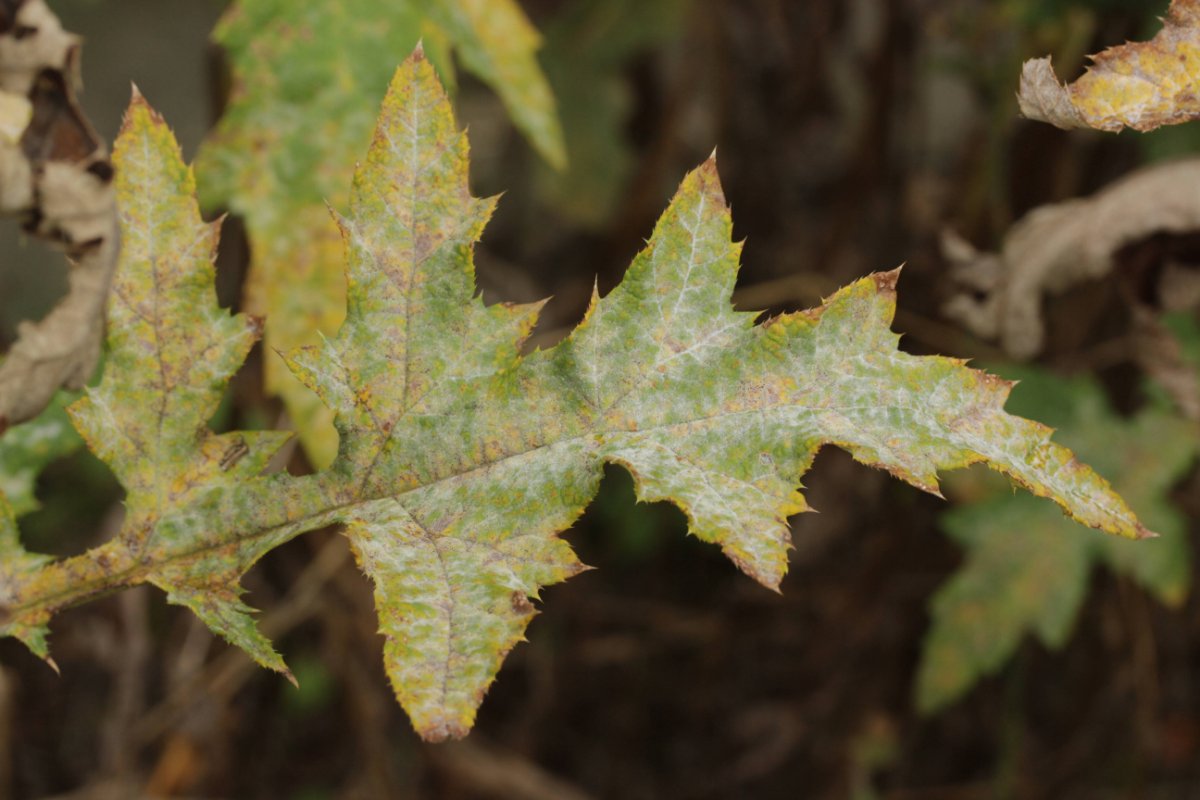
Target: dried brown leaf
(1160,355)
(55,176)
(1142,85)
(1058,246)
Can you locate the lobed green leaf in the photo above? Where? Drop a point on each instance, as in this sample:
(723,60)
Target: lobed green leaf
(172,351)
(460,460)
(483,455)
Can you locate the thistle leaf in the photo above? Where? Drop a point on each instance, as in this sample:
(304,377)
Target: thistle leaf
(171,352)
(460,459)
(468,458)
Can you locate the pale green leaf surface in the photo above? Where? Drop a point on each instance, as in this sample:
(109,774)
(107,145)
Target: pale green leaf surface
(453,569)
(307,75)
(171,352)
(1026,568)
(486,455)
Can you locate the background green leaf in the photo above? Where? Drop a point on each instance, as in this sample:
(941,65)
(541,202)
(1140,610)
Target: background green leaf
(1026,569)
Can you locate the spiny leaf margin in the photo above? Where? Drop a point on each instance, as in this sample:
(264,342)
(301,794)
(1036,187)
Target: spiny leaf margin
(461,460)
(706,409)
(171,352)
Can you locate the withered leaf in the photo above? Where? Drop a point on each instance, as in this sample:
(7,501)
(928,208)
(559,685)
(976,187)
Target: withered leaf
(1142,85)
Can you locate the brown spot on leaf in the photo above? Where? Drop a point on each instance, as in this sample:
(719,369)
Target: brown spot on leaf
(521,604)
(235,453)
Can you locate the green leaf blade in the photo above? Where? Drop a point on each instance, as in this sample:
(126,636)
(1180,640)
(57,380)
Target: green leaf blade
(706,409)
(307,75)
(462,460)
(746,418)
(170,356)
(172,351)
(452,550)
(452,603)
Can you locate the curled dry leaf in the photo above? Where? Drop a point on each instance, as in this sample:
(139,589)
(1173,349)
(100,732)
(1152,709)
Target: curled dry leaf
(1168,350)
(1058,246)
(1161,356)
(1142,85)
(55,176)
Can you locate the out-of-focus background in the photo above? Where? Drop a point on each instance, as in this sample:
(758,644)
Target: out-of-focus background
(850,134)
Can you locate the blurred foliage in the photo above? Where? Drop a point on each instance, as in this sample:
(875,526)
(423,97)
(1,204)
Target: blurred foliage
(1186,329)
(26,449)
(1037,11)
(315,686)
(589,49)
(1026,571)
